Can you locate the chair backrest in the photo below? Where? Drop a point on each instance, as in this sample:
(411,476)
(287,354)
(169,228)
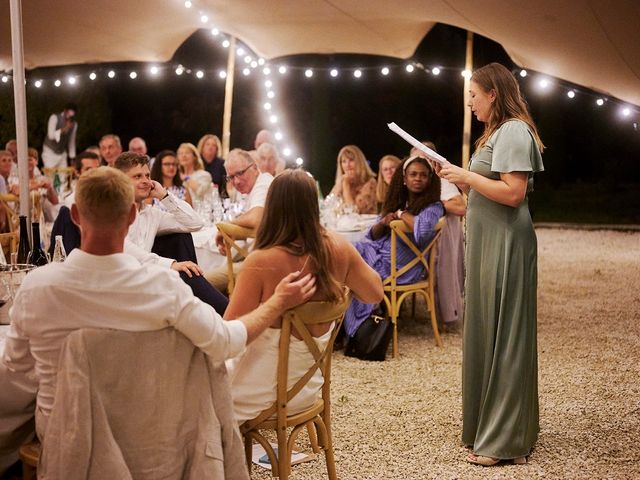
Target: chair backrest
(12,222)
(124,398)
(427,256)
(234,236)
(9,244)
(299,319)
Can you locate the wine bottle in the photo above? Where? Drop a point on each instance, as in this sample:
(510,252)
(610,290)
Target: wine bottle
(37,256)
(59,253)
(23,245)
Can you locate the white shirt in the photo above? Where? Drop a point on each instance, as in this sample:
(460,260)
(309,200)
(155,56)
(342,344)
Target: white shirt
(258,195)
(110,291)
(177,216)
(447,190)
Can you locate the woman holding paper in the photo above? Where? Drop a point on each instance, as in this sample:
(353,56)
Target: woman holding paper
(355,181)
(500,371)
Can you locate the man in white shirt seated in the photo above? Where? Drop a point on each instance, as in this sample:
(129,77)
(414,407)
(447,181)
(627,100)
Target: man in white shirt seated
(99,286)
(84,162)
(246,178)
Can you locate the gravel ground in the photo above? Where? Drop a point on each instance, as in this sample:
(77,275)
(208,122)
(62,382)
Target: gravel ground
(401,419)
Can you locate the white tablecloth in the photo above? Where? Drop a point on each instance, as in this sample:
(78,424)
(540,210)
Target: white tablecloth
(206,249)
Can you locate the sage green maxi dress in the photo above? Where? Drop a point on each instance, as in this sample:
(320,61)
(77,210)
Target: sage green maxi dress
(500,365)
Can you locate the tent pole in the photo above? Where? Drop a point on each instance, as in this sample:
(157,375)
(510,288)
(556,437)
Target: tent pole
(466,129)
(20,103)
(228,98)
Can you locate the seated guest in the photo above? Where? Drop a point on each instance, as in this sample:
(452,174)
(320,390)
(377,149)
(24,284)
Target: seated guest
(245,177)
(6,162)
(99,286)
(450,260)
(37,181)
(210,150)
(267,158)
(194,176)
(355,181)
(291,239)
(84,162)
(110,148)
(414,198)
(386,168)
(165,172)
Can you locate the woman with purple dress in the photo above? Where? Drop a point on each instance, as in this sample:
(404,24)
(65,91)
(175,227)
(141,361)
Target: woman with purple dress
(414,198)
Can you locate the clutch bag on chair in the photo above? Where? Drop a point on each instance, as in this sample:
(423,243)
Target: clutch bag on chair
(371,339)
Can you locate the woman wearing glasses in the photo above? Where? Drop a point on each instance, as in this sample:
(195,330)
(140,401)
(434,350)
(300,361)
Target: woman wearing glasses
(165,172)
(195,177)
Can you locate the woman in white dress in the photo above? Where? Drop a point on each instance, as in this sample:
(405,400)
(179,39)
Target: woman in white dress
(289,239)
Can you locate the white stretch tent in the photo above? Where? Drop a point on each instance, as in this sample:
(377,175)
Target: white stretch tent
(593,43)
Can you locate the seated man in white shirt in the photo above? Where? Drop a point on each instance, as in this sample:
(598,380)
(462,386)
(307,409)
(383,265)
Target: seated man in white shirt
(177,216)
(99,286)
(84,162)
(247,179)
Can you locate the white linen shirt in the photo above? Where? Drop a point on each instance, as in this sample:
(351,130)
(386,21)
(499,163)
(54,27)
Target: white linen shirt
(177,216)
(109,291)
(257,197)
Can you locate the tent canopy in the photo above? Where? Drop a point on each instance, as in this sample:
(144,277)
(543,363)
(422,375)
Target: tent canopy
(593,43)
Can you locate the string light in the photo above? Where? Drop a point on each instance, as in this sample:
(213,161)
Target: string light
(357,73)
(247,59)
(266,71)
(600,102)
(154,70)
(199,74)
(466,73)
(261,61)
(308,73)
(279,136)
(57,83)
(215,32)
(523,73)
(271,94)
(38,83)
(286,151)
(333,72)
(267,106)
(435,70)
(71,80)
(246,72)
(385,71)
(133,75)
(282,69)
(273,119)
(240,51)
(571,94)
(204,19)
(626,111)
(226,43)
(268,84)
(179,70)
(93,76)
(299,161)
(188,4)
(254,64)
(112,74)
(222,74)
(409,68)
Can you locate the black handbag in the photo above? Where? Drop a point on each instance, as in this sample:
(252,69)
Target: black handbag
(371,340)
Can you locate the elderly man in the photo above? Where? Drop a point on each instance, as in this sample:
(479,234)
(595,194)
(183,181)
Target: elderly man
(245,177)
(100,286)
(267,158)
(110,148)
(138,145)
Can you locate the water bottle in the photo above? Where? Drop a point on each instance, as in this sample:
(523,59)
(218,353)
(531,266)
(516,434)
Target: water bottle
(36,256)
(59,253)
(23,245)
(57,183)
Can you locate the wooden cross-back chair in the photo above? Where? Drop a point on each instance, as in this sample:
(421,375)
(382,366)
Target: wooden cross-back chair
(396,293)
(234,237)
(317,418)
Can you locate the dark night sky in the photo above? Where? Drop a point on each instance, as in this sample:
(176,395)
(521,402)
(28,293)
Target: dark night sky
(322,114)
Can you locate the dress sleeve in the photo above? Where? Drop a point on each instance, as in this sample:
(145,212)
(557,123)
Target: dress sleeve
(514,149)
(424,224)
(366,197)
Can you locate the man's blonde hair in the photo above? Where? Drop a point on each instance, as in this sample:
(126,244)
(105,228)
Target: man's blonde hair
(104,196)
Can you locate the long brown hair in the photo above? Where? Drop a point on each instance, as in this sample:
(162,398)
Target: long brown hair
(398,194)
(292,220)
(509,103)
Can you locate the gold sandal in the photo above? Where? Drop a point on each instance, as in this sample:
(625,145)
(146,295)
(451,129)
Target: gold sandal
(490,461)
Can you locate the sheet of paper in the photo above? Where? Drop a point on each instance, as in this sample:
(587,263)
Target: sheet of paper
(430,154)
(260,458)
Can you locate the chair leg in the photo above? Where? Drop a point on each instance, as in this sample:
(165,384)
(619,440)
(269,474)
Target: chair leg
(413,306)
(327,443)
(313,437)
(394,320)
(434,322)
(248,452)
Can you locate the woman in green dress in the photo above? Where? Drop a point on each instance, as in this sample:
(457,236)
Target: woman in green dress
(500,369)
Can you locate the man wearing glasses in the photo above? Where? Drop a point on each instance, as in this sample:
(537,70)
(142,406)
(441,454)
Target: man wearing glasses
(244,175)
